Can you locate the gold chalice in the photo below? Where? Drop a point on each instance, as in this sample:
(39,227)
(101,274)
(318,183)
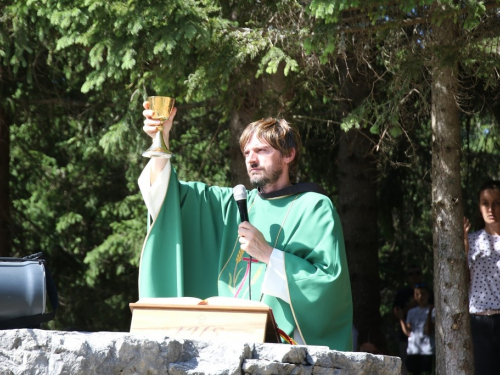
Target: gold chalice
(161,107)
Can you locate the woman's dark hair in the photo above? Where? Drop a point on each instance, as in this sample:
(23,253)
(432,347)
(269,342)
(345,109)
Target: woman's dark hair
(489,185)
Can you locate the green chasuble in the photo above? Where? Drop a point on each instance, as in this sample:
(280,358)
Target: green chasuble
(192,249)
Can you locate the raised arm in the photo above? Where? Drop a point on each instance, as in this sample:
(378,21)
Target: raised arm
(150,128)
(405,327)
(467,226)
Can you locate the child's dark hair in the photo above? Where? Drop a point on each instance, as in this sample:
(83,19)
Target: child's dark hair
(422,286)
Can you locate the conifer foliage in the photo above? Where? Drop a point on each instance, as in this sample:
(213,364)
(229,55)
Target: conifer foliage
(74,74)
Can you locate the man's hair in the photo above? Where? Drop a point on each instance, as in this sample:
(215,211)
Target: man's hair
(280,135)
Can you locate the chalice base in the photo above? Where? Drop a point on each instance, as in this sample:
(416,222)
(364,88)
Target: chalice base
(157,153)
(158,149)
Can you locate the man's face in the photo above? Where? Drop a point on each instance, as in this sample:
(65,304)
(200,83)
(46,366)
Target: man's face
(264,163)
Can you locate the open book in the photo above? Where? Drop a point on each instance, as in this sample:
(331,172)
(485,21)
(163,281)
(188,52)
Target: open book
(212,318)
(211,301)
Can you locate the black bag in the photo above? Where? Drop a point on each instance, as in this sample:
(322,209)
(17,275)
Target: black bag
(24,286)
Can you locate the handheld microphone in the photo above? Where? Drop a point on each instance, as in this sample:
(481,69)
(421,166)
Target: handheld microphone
(240,196)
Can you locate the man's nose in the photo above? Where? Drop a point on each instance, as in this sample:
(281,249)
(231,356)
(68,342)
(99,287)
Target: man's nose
(250,157)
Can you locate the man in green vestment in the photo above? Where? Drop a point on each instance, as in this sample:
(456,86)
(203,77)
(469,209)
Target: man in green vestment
(289,255)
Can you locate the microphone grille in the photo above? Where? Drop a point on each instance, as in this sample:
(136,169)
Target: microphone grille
(240,192)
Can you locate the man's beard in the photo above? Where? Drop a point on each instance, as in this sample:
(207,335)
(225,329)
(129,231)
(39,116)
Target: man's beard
(266,178)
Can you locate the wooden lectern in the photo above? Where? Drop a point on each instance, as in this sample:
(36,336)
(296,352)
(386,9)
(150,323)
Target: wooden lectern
(193,318)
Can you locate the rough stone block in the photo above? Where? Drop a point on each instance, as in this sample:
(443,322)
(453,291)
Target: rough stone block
(31,351)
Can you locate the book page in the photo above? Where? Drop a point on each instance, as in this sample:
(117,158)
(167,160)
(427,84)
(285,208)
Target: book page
(229,301)
(171,300)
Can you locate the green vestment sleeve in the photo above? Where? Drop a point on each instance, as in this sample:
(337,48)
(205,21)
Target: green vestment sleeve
(181,253)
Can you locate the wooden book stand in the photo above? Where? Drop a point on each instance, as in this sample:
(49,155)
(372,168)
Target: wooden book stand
(214,318)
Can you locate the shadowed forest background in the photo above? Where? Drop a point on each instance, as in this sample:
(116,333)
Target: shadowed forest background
(358,80)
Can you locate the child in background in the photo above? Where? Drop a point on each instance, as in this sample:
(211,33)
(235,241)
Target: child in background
(419,327)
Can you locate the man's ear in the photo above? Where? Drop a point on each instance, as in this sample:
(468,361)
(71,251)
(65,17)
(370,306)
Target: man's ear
(290,157)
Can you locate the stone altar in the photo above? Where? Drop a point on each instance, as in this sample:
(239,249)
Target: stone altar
(41,352)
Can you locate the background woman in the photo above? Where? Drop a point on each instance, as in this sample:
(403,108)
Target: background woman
(483,250)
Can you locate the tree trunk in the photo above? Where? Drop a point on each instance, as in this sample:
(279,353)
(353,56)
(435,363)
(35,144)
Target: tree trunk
(4,185)
(453,341)
(358,213)
(358,206)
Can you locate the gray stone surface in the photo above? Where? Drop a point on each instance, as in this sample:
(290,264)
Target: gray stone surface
(27,351)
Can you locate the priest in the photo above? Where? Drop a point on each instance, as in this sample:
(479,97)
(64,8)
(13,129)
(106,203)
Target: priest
(290,253)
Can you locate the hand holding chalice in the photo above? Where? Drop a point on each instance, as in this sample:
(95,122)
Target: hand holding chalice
(159,112)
